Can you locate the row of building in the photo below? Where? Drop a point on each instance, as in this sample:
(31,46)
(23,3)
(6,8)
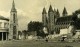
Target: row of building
(52,20)
(8,27)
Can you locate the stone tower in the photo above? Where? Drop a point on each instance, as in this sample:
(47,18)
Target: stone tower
(44,17)
(13,24)
(57,14)
(51,19)
(64,12)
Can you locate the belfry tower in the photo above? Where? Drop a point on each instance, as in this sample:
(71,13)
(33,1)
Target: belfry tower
(44,17)
(51,21)
(13,24)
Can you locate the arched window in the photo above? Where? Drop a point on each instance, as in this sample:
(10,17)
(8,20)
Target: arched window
(14,29)
(14,18)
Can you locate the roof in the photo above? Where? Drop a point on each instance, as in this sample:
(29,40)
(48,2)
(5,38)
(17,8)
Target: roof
(50,9)
(65,19)
(44,11)
(70,20)
(13,9)
(64,11)
(3,18)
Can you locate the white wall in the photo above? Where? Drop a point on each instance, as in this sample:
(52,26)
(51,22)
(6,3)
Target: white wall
(63,31)
(4,25)
(45,30)
(67,30)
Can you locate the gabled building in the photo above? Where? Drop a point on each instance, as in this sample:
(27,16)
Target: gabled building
(4,28)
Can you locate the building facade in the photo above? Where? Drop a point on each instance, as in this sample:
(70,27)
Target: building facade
(13,24)
(56,24)
(51,17)
(4,28)
(64,23)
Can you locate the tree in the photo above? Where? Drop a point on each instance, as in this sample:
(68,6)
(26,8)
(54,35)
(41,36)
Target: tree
(36,26)
(76,12)
(19,33)
(24,32)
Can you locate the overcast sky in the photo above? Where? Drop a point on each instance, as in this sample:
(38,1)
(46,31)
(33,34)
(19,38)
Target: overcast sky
(30,10)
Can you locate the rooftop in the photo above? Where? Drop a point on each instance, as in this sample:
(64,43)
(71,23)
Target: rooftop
(3,18)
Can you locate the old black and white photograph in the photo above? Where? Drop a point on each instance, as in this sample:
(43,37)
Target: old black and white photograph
(39,23)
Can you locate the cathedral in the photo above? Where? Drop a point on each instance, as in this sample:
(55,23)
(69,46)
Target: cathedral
(57,24)
(49,19)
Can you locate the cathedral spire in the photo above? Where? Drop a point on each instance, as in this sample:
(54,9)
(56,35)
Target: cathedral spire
(58,13)
(64,12)
(13,4)
(50,9)
(54,10)
(44,11)
(13,7)
(44,17)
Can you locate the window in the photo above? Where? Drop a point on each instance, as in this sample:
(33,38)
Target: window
(14,30)
(14,18)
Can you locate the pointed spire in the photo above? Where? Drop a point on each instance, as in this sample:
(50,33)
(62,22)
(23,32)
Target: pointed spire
(58,13)
(13,4)
(50,9)
(44,11)
(64,12)
(54,10)
(13,7)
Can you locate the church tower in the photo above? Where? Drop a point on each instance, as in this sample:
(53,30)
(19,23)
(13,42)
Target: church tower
(58,14)
(44,17)
(13,24)
(51,20)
